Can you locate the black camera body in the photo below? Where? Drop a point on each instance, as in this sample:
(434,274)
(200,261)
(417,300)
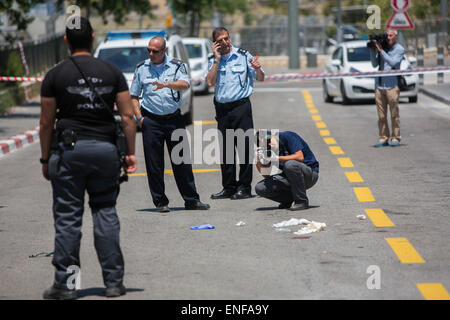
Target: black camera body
(381,38)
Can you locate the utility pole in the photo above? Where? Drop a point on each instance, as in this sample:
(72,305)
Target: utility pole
(294,62)
(339,22)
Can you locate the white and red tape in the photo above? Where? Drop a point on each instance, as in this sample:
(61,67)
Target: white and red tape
(298,76)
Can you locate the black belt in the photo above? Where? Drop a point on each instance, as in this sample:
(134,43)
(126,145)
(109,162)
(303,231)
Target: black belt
(86,137)
(145,113)
(233,104)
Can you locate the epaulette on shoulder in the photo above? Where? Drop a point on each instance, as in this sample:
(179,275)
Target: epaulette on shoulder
(242,51)
(176,61)
(140,64)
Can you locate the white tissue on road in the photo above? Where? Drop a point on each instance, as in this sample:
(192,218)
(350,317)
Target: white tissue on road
(312,227)
(361,217)
(292,222)
(307,226)
(241,223)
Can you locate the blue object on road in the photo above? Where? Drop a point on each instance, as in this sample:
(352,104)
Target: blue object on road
(202,227)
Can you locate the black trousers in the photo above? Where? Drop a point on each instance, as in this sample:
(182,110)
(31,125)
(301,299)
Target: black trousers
(156,131)
(289,186)
(235,118)
(91,166)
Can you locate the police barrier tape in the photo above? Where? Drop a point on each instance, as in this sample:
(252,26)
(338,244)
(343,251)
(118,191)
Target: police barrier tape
(299,76)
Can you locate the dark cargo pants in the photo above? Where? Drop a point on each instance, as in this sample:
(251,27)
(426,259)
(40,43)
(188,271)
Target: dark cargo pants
(91,166)
(289,186)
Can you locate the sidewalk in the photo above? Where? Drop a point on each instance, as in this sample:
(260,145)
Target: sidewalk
(440,92)
(20,127)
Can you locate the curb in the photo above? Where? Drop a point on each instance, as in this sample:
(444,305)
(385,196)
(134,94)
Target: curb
(435,96)
(19,141)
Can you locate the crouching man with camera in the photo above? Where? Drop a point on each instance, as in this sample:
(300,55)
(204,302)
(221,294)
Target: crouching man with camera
(300,170)
(387,54)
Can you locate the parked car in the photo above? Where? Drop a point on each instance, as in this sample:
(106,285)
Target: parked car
(198,50)
(354,56)
(126,49)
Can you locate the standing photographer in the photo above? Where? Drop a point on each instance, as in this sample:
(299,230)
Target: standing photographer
(387,57)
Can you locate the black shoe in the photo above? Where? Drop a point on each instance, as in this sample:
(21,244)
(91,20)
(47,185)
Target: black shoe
(299,206)
(285,205)
(197,205)
(241,194)
(59,294)
(224,194)
(162,209)
(117,291)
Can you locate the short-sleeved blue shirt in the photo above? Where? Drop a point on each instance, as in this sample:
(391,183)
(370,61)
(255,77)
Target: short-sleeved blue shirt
(162,101)
(290,142)
(235,76)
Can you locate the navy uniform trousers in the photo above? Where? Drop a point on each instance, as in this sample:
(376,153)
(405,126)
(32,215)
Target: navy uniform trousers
(235,115)
(155,131)
(91,166)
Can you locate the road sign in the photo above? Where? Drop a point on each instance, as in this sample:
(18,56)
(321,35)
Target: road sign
(400,5)
(400,19)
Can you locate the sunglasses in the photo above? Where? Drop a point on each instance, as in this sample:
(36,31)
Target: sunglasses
(154,51)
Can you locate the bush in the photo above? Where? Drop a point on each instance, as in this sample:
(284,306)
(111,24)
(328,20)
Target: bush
(11,93)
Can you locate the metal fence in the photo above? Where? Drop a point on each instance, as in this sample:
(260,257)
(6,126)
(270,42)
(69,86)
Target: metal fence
(271,38)
(40,55)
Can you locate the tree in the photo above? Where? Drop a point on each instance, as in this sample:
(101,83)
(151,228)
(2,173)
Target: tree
(198,10)
(118,8)
(16,12)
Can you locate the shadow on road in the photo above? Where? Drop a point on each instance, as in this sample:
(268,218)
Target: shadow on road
(100,292)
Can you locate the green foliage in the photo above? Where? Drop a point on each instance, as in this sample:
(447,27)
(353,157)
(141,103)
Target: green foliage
(16,11)
(118,8)
(205,8)
(14,66)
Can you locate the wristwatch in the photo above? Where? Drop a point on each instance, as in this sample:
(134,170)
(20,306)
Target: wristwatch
(43,161)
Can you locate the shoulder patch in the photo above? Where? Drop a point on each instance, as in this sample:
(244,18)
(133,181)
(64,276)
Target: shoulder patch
(140,64)
(176,61)
(242,51)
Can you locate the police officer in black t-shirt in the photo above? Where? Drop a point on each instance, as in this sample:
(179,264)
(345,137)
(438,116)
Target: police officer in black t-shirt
(300,171)
(85,158)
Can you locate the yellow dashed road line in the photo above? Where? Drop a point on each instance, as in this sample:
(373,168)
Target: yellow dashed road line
(353,176)
(363,194)
(336,150)
(404,250)
(433,291)
(401,246)
(379,218)
(345,162)
(169,171)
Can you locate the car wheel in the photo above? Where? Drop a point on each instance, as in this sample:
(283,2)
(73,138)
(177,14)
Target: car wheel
(412,99)
(326,96)
(345,99)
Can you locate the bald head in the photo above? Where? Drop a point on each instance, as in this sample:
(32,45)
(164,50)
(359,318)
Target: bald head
(159,41)
(157,50)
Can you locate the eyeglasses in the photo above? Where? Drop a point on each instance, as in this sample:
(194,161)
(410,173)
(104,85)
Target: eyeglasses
(154,51)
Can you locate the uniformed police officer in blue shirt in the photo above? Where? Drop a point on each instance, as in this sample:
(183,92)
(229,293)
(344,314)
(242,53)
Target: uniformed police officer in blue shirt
(232,71)
(161,79)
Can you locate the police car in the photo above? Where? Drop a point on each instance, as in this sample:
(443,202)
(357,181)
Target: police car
(354,56)
(126,49)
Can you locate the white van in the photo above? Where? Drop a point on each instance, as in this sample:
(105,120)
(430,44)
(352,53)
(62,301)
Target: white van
(126,49)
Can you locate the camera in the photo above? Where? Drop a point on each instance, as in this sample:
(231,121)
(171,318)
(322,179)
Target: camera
(380,38)
(264,138)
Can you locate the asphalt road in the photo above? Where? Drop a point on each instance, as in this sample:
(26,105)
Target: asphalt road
(350,259)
